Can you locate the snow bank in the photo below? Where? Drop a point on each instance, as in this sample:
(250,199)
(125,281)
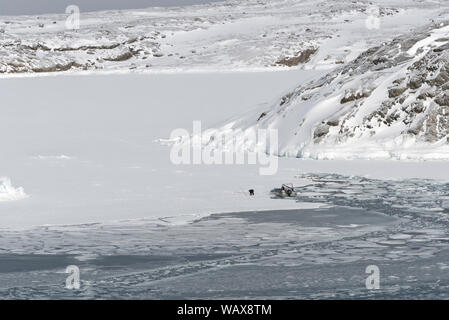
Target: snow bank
(10,193)
(375,150)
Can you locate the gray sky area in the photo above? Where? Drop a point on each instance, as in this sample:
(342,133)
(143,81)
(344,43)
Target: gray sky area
(18,7)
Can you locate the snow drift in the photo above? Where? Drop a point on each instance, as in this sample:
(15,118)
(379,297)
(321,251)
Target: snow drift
(8,192)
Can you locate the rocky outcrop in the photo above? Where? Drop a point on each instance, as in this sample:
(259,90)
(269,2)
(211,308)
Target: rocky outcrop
(303,57)
(388,95)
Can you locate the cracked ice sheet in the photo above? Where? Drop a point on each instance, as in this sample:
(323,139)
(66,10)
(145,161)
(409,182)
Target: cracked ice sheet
(124,258)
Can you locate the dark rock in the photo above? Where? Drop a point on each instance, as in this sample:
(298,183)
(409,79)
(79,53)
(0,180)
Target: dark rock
(58,67)
(262,115)
(440,79)
(441,48)
(418,107)
(333,123)
(302,58)
(442,100)
(321,131)
(415,83)
(355,96)
(396,92)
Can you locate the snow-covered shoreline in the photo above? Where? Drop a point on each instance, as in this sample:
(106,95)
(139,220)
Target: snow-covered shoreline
(226,35)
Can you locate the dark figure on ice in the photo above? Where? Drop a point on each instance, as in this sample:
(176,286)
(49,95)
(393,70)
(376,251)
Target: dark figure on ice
(251,192)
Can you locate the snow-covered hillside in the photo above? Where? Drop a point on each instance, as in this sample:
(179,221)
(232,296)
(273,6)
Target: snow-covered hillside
(74,144)
(392,101)
(8,192)
(229,35)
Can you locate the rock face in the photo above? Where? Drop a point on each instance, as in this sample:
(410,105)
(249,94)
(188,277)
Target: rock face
(391,101)
(303,57)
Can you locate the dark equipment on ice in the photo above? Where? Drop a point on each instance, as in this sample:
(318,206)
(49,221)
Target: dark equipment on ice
(251,192)
(287,190)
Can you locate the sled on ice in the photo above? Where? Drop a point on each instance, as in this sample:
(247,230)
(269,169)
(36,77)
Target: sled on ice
(286,191)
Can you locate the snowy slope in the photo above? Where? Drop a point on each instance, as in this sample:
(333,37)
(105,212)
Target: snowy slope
(392,101)
(230,35)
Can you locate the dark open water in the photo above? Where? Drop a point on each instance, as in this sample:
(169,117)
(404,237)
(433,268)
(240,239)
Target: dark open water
(399,226)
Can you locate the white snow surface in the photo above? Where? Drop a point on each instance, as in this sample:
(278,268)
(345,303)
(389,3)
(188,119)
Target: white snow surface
(229,35)
(83,146)
(99,161)
(388,103)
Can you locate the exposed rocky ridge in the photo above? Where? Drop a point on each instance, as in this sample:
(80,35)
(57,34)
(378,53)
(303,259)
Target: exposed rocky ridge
(392,96)
(233,34)
(417,89)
